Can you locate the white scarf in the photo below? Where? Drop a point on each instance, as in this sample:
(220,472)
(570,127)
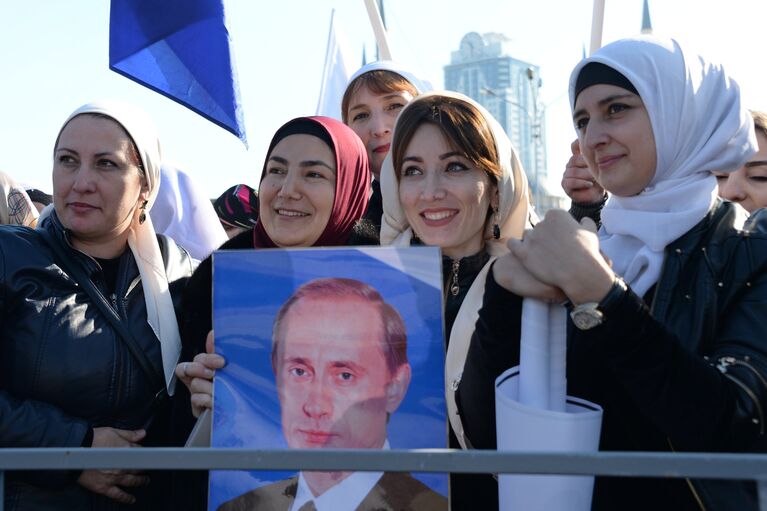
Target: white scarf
(389,65)
(699,126)
(142,239)
(183,212)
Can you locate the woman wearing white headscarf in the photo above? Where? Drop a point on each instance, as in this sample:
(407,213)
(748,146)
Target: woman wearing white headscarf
(89,332)
(668,327)
(454,180)
(376,94)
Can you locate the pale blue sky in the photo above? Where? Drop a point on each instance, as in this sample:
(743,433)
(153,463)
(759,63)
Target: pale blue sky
(54,57)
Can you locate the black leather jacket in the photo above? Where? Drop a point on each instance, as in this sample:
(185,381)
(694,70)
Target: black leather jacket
(688,373)
(63,369)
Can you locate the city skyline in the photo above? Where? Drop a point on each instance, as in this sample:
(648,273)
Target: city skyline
(55,57)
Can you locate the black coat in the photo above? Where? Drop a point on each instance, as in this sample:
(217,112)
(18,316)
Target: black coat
(688,374)
(63,368)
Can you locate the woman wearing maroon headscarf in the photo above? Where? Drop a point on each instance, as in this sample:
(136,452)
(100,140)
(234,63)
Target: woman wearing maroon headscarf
(314,190)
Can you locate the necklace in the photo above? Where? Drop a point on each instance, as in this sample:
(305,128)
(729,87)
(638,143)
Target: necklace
(454,289)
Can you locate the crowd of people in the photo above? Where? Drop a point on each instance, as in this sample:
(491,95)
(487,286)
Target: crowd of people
(107,330)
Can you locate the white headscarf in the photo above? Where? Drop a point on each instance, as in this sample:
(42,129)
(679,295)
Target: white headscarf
(183,212)
(515,214)
(699,126)
(389,65)
(142,239)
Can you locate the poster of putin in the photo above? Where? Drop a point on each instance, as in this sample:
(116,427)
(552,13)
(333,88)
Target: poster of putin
(338,348)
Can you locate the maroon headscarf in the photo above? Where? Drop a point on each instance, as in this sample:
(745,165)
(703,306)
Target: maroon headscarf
(352,178)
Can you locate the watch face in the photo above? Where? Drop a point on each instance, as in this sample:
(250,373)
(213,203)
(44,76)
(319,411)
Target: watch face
(586,318)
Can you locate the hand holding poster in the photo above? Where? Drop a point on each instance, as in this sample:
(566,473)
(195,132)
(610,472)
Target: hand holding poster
(329,348)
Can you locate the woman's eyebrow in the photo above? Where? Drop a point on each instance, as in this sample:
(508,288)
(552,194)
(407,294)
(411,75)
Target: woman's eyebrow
(603,102)
(756,163)
(314,163)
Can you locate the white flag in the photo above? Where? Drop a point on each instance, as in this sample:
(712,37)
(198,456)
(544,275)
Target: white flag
(335,75)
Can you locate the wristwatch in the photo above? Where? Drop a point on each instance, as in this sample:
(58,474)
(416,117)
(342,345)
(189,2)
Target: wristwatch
(592,314)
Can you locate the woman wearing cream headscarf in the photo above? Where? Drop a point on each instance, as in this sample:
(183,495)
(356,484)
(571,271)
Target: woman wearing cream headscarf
(453,180)
(69,377)
(15,206)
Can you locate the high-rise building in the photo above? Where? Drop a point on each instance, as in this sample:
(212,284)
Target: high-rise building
(508,88)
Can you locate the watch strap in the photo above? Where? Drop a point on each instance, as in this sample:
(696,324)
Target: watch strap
(613,296)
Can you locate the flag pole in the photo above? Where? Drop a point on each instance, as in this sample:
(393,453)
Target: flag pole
(378,29)
(597,20)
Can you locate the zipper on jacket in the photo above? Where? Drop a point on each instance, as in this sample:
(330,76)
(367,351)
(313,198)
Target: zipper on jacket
(724,363)
(689,482)
(119,358)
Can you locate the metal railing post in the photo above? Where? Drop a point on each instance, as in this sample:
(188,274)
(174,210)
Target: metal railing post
(2,490)
(761,489)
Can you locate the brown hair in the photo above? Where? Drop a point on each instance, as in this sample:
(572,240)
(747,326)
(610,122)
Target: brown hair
(760,121)
(394,342)
(379,81)
(459,121)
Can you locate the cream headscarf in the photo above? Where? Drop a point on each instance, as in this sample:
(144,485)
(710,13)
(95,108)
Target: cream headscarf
(142,239)
(699,126)
(515,214)
(514,208)
(15,206)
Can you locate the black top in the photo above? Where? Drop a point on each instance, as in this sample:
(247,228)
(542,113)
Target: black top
(375,206)
(467,491)
(109,268)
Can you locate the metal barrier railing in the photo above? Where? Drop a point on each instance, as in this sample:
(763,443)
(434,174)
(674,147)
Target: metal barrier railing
(633,464)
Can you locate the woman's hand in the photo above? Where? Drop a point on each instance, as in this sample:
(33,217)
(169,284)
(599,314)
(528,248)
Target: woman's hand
(512,275)
(198,376)
(564,254)
(111,483)
(578,182)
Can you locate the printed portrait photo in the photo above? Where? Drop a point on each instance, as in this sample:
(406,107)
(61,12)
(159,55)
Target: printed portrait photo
(329,348)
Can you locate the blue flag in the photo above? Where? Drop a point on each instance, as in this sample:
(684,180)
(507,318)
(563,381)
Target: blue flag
(181,49)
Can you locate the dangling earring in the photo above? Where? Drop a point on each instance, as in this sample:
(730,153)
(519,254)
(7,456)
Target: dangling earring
(496,227)
(142,216)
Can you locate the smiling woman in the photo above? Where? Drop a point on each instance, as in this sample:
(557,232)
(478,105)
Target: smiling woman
(453,180)
(297,194)
(314,190)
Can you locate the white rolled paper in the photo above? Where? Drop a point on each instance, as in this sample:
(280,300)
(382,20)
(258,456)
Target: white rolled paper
(557,358)
(534,355)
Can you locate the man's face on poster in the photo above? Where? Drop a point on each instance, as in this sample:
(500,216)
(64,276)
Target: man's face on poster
(334,384)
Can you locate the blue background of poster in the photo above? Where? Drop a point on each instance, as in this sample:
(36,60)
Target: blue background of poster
(248,289)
